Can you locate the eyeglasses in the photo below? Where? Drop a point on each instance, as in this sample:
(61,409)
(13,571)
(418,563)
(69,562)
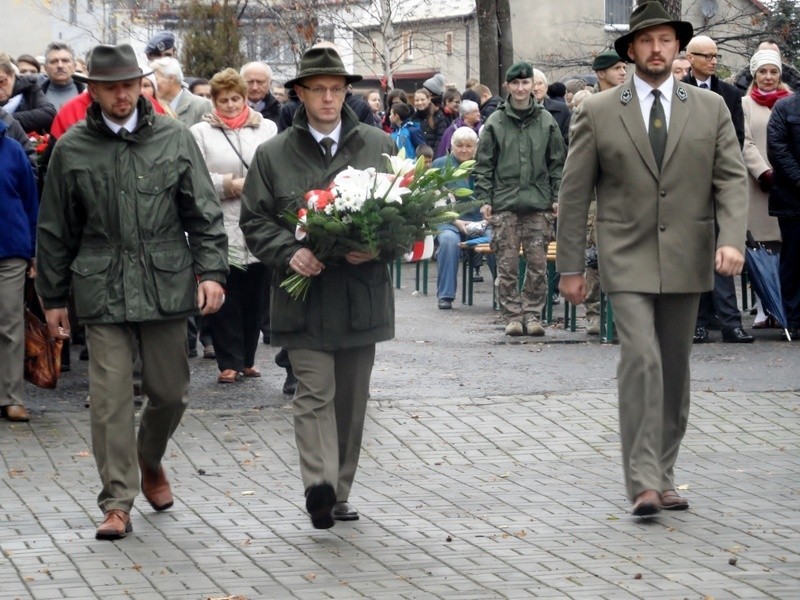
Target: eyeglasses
(320,91)
(708,57)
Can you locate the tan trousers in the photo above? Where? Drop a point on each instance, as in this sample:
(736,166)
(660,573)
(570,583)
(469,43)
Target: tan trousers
(655,336)
(12,329)
(329,409)
(165,379)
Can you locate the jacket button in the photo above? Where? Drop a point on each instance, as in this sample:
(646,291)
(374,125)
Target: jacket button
(663,193)
(662,227)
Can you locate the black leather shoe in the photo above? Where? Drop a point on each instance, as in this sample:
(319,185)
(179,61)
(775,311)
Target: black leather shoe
(344,511)
(736,335)
(445,304)
(700,335)
(290,385)
(320,499)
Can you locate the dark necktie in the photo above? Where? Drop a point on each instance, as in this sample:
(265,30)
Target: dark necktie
(704,85)
(658,128)
(327,146)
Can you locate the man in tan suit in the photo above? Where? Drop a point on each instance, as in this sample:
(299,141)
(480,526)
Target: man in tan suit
(664,165)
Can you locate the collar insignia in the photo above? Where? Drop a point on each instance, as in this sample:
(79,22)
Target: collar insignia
(681,93)
(626,96)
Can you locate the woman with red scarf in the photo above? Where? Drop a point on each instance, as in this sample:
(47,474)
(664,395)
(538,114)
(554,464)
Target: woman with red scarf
(228,137)
(766,89)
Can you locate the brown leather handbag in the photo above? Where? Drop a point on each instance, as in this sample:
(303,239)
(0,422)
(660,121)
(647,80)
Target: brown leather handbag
(42,352)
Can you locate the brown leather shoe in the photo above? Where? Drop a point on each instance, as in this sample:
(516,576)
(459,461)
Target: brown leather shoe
(251,372)
(670,500)
(155,487)
(15,412)
(646,504)
(115,526)
(228,376)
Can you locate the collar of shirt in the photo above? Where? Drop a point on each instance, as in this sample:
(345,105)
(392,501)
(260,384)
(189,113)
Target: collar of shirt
(174,104)
(257,106)
(130,124)
(644,89)
(706,81)
(334,135)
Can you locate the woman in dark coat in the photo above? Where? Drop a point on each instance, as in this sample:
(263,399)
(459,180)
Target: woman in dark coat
(23,99)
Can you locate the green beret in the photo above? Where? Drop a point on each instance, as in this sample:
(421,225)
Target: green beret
(605,60)
(519,70)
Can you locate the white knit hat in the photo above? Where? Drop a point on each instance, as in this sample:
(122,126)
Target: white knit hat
(765,57)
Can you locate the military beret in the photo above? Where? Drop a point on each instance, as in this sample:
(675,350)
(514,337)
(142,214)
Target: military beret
(605,60)
(519,70)
(160,42)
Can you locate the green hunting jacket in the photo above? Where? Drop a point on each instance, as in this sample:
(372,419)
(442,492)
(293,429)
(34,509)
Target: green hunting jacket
(519,160)
(132,221)
(347,305)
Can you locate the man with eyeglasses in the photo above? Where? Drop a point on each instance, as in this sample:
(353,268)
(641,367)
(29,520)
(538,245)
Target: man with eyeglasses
(331,334)
(719,305)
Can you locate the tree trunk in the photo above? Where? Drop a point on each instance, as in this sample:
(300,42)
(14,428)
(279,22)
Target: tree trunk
(673,7)
(506,42)
(489,42)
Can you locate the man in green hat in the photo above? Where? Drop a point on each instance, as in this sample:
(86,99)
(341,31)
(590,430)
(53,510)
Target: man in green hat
(517,174)
(330,335)
(665,163)
(130,219)
(610,69)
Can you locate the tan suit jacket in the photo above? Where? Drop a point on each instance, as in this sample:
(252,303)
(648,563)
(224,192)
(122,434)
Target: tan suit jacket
(655,231)
(191,108)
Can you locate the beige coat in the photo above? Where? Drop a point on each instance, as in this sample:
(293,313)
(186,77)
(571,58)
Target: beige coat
(763,227)
(655,231)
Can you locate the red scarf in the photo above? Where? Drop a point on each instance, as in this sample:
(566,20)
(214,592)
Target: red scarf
(236,122)
(767,99)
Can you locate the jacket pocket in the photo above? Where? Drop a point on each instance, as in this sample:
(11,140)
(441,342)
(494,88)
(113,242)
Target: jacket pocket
(286,314)
(90,284)
(174,281)
(370,297)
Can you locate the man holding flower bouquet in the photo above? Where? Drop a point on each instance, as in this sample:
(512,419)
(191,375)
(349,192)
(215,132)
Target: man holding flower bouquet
(330,332)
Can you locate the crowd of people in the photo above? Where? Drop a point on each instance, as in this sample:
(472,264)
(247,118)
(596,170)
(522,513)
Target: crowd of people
(156,224)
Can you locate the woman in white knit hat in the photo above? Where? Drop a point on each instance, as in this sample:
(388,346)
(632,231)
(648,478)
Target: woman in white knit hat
(764,91)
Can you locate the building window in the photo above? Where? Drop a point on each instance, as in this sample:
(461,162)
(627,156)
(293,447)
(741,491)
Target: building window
(618,13)
(448,43)
(73,12)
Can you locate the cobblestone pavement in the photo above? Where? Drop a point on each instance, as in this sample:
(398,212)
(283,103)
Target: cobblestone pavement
(468,496)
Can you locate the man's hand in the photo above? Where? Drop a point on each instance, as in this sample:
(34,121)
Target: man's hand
(356,257)
(210,296)
(486,211)
(728,261)
(305,263)
(573,288)
(57,322)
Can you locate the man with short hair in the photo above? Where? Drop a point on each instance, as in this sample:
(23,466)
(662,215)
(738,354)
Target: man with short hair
(330,335)
(517,175)
(664,161)
(130,219)
(610,69)
(488,101)
(258,77)
(169,82)
(59,64)
(720,304)
(681,67)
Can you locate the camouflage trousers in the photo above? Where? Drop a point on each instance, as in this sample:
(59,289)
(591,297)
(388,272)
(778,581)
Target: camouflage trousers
(592,302)
(532,232)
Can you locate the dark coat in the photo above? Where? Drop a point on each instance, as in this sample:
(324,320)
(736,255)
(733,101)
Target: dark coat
(434,131)
(16,132)
(272,108)
(732,98)
(347,305)
(132,222)
(783,151)
(561,114)
(35,112)
(489,107)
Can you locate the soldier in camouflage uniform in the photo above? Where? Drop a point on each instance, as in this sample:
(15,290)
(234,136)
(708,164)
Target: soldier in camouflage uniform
(517,176)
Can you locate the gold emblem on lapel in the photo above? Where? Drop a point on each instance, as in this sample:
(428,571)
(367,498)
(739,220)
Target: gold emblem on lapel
(626,96)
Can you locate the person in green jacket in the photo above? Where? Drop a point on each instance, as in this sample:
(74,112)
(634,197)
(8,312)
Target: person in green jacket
(517,176)
(130,219)
(331,335)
